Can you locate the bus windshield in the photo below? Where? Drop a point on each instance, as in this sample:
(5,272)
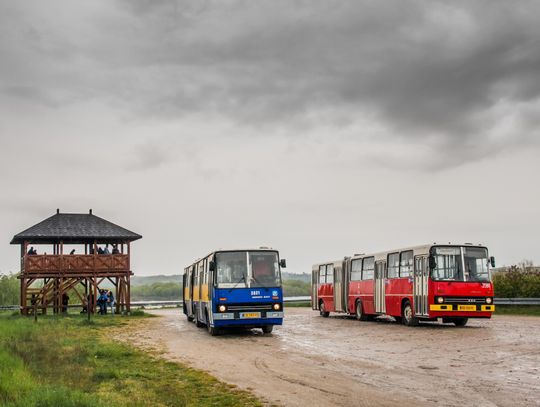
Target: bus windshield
(476,264)
(247,269)
(452,266)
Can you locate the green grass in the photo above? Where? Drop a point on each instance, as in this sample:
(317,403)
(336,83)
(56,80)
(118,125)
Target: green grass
(68,361)
(533,310)
(297,304)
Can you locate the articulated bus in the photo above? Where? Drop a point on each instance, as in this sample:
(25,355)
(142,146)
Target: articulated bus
(235,288)
(422,283)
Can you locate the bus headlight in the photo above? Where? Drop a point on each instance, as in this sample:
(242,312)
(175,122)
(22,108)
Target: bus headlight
(440,300)
(277,307)
(489,300)
(222,308)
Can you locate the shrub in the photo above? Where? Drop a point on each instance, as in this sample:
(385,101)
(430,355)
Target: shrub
(517,282)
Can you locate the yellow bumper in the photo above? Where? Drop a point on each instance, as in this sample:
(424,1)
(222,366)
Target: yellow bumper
(461,308)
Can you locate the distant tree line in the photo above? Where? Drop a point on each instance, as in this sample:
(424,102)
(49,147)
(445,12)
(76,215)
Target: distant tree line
(173,291)
(9,289)
(157,291)
(519,281)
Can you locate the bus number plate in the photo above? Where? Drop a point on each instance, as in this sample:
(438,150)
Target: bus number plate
(466,307)
(250,315)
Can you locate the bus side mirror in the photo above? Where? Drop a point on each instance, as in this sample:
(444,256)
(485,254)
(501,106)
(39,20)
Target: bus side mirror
(432,263)
(212,266)
(492,261)
(283,263)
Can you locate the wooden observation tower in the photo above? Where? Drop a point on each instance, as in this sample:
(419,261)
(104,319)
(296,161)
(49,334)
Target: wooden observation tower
(47,278)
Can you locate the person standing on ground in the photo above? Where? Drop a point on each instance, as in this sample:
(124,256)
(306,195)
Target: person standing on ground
(110,301)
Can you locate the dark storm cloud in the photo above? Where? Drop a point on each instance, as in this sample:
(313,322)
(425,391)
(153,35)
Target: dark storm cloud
(436,72)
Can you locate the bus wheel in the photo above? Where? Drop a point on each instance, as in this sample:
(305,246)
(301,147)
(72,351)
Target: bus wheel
(322,310)
(359,312)
(407,315)
(267,329)
(460,321)
(198,323)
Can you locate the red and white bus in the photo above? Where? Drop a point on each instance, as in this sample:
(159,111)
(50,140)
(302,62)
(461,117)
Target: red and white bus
(422,283)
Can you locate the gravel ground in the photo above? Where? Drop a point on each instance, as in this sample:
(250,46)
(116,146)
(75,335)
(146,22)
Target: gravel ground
(339,361)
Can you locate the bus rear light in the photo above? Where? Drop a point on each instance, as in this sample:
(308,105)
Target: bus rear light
(222,308)
(440,300)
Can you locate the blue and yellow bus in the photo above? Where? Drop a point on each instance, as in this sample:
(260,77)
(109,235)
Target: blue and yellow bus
(235,288)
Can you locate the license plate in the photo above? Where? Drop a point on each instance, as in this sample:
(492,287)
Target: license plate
(466,307)
(250,315)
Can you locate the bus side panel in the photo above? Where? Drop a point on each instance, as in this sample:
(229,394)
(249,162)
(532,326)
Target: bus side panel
(366,289)
(396,290)
(326,294)
(353,294)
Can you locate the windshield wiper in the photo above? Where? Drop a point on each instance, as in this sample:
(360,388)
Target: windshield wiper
(243,278)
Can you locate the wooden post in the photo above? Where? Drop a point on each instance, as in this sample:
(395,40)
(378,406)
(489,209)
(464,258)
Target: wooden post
(117,299)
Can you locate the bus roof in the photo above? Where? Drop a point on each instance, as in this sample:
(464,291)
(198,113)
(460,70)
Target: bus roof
(419,249)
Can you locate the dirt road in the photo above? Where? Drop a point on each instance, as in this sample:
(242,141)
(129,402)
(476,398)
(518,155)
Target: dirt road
(339,361)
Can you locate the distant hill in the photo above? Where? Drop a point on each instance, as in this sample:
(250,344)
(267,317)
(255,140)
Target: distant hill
(148,280)
(177,278)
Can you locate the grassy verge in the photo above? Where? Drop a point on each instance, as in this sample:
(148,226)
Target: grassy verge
(68,361)
(297,304)
(533,310)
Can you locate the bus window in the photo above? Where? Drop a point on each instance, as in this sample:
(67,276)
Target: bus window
(393,265)
(322,274)
(356,270)
(367,268)
(406,264)
(330,273)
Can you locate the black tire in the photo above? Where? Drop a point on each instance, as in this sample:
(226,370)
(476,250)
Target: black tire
(267,329)
(460,321)
(407,315)
(322,311)
(212,330)
(360,316)
(198,323)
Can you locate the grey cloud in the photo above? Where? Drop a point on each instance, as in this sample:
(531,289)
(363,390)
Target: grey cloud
(423,71)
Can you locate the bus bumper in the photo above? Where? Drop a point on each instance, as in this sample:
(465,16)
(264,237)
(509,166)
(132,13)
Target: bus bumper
(237,319)
(460,310)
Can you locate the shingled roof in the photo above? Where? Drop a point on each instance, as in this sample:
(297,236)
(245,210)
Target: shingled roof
(75,228)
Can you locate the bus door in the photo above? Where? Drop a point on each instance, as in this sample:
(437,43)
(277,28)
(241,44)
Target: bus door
(315,288)
(346,282)
(338,287)
(379,292)
(200,276)
(421,285)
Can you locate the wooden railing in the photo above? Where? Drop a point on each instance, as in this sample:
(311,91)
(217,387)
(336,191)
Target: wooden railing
(76,263)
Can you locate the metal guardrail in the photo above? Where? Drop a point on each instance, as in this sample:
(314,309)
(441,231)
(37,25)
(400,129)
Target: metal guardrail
(516,301)
(9,308)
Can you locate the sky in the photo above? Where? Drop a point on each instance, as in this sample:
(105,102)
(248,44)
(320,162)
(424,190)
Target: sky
(318,128)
